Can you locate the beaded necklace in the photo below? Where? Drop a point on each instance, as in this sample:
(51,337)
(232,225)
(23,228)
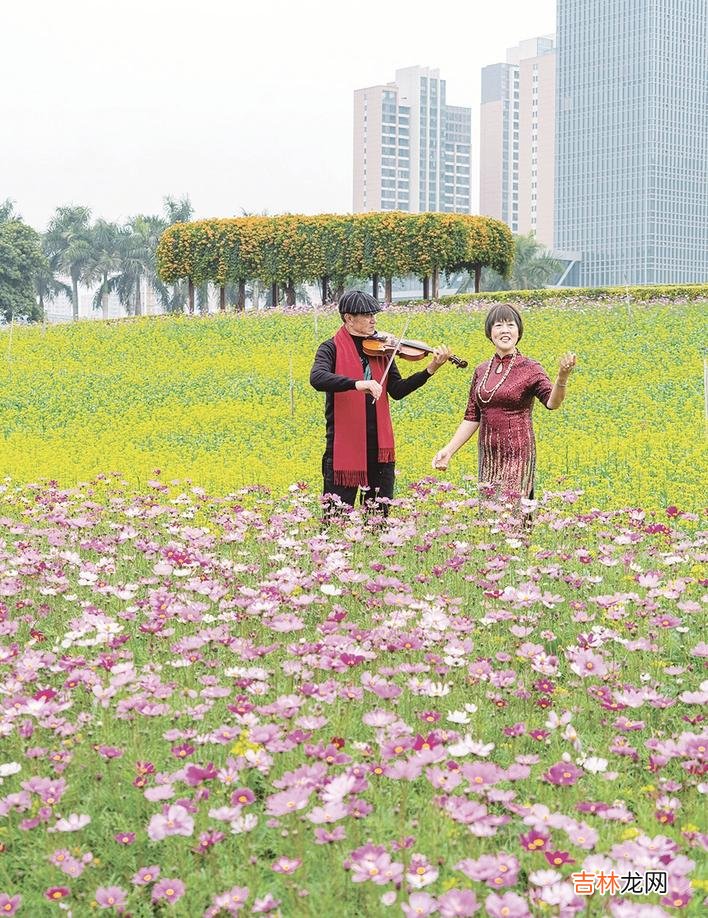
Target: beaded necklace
(483,384)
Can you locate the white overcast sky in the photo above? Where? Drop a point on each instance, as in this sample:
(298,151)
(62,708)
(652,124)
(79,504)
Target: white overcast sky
(238,104)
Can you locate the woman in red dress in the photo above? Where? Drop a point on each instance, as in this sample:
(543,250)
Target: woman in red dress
(500,405)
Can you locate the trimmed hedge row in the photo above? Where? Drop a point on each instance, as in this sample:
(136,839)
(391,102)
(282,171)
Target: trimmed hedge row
(691,292)
(295,249)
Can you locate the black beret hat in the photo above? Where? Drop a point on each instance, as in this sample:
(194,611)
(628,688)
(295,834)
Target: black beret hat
(358,303)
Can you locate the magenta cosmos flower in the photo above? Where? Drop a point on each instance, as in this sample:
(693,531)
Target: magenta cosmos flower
(563,773)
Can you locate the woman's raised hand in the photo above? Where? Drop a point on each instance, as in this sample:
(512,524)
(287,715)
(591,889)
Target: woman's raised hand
(567,362)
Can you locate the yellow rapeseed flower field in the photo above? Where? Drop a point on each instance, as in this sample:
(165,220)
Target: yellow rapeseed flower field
(209,399)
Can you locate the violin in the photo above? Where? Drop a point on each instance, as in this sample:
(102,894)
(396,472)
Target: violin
(379,345)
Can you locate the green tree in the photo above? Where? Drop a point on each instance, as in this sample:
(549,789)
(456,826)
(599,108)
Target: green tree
(21,259)
(69,238)
(534,267)
(177,210)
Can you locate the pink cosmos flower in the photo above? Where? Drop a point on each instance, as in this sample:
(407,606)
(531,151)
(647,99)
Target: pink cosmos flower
(232,901)
(420,872)
(458,903)
(481,775)
(267,904)
(507,906)
(324,837)
(288,801)
(679,893)
(286,865)
(9,904)
(373,862)
(71,867)
(586,663)
(168,891)
(174,820)
(146,875)
(111,897)
(634,909)
(109,752)
(57,893)
(419,905)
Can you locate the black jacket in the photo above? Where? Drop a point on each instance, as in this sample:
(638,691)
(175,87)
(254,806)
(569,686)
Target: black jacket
(324,379)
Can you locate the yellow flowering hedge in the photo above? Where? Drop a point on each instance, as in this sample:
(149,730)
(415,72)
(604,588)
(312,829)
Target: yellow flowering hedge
(295,248)
(208,398)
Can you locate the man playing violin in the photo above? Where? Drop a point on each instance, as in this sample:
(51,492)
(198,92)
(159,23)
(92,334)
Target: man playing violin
(360,452)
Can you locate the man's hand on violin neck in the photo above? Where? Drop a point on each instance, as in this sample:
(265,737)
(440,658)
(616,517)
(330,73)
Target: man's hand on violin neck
(440,356)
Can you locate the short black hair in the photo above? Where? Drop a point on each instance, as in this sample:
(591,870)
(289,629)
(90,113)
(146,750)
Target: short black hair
(502,312)
(358,303)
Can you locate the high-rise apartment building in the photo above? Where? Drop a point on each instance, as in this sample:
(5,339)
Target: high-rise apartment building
(411,149)
(517,133)
(632,140)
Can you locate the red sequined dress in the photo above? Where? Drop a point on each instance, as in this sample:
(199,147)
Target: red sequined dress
(506,446)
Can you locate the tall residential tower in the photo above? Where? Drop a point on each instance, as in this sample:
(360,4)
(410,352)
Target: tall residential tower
(411,149)
(631,201)
(517,134)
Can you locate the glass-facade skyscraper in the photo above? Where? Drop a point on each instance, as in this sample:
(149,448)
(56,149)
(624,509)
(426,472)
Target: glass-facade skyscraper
(631,193)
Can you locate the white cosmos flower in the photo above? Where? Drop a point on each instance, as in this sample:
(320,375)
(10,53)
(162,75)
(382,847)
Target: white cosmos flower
(329,589)
(454,661)
(437,689)
(594,764)
(458,717)
(469,746)
(9,768)
(244,823)
(72,823)
(545,877)
(471,708)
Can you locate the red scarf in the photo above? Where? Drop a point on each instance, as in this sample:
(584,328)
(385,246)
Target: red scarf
(350,416)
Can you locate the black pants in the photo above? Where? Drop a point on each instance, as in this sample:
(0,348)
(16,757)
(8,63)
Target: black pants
(381,480)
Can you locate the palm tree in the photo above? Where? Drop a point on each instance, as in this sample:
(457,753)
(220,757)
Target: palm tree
(105,262)
(178,210)
(68,238)
(137,263)
(533,268)
(8,214)
(47,283)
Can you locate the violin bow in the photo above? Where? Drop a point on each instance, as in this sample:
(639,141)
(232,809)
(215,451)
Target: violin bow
(395,351)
